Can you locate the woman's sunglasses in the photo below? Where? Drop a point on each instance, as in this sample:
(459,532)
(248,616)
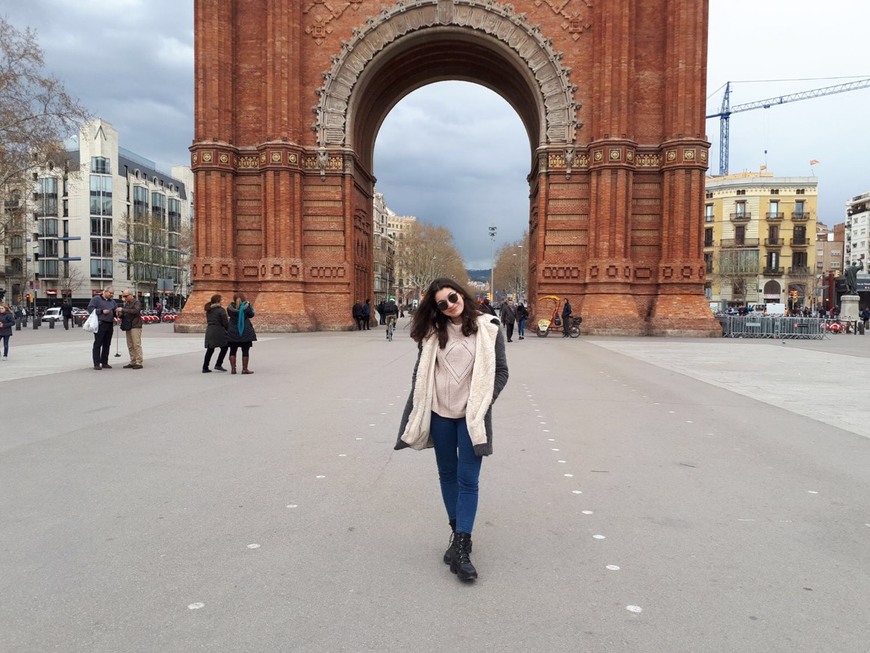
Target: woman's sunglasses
(452,298)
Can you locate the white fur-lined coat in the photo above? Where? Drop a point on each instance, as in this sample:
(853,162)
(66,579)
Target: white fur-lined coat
(488,376)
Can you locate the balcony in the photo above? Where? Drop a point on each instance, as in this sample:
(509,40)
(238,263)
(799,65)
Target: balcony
(740,217)
(800,216)
(774,242)
(800,271)
(739,242)
(773,217)
(708,243)
(772,272)
(800,242)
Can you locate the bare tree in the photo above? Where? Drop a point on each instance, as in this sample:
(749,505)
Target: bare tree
(36,113)
(736,268)
(427,252)
(71,279)
(511,267)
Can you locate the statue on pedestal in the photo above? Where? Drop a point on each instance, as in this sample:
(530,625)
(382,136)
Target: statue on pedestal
(851,276)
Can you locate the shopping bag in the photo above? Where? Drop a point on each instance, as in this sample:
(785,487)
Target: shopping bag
(92,324)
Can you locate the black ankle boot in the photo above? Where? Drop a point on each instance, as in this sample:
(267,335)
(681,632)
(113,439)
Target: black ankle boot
(451,550)
(461,565)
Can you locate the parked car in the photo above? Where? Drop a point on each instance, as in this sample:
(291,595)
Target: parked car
(52,314)
(79,316)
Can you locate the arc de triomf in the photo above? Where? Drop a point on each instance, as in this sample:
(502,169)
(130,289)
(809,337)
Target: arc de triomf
(290,95)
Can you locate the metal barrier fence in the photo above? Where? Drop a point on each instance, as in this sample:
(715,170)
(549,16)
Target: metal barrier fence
(805,328)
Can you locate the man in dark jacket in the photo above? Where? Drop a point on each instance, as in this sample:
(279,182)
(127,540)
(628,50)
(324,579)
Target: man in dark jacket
(66,312)
(508,317)
(105,307)
(131,324)
(566,318)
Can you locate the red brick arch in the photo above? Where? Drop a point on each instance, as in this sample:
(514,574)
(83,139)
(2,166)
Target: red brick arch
(290,97)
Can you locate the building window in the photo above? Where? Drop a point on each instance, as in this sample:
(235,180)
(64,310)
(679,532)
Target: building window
(708,237)
(708,213)
(772,260)
(48,269)
(800,235)
(799,208)
(101,165)
(799,260)
(46,197)
(48,248)
(741,192)
(800,191)
(101,195)
(740,236)
(740,208)
(101,268)
(101,247)
(48,227)
(774,191)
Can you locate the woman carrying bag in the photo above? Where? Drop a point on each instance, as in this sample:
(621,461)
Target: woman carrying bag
(215,334)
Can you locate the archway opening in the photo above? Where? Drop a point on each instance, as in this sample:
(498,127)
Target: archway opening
(456,155)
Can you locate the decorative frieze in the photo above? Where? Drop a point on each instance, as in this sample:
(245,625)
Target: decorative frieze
(487,16)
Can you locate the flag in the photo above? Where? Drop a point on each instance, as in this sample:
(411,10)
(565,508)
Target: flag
(814,162)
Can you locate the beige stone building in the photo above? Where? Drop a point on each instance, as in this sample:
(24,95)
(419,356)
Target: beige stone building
(759,238)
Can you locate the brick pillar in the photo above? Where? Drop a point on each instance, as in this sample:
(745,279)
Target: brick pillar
(680,306)
(609,304)
(213,269)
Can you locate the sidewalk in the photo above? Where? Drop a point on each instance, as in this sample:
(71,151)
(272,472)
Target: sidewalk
(644,495)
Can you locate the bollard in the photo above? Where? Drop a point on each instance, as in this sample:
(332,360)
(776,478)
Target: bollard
(51,323)
(35,323)
(18,324)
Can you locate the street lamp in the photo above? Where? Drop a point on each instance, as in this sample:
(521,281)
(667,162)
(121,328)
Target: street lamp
(492,232)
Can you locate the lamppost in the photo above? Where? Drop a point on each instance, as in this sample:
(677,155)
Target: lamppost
(492,232)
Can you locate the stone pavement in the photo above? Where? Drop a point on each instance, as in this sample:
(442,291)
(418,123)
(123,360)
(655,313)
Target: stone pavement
(644,495)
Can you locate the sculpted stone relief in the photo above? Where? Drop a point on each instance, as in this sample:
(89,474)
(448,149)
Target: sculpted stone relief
(487,16)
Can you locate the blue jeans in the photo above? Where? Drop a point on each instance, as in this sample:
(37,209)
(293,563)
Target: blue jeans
(458,470)
(5,340)
(521,326)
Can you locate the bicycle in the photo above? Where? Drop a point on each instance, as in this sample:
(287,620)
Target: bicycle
(391,326)
(574,329)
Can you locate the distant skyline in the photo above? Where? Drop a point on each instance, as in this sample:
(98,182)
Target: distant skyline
(456,154)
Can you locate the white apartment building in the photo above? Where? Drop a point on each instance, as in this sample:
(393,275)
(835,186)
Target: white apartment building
(105,217)
(857,228)
(384,250)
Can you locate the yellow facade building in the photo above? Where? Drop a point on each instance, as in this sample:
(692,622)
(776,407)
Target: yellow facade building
(759,239)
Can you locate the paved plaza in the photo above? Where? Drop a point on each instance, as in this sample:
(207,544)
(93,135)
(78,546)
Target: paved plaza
(644,496)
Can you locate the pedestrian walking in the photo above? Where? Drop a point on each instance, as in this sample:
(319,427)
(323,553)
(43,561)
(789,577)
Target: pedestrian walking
(131,324)
(508,316)
(461,369)
(7,321)
(217,322)
(67,314)
(522,316)
(240,331)
(105,307)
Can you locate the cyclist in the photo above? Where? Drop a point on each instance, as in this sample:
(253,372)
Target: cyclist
(391,313)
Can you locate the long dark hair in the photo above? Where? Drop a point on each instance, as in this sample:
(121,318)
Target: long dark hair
(215,299)
(427,317)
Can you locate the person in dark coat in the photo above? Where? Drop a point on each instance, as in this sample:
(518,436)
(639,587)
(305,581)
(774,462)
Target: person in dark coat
(367,314)
(522,316)
(215,334)
(240,332)
(7,321)
(566,318)
(66,312)
(357,312)
(508,317)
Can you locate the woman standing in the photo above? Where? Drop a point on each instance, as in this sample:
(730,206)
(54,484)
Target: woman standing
(461,369)
(240,332)
(215,334)
(7,321)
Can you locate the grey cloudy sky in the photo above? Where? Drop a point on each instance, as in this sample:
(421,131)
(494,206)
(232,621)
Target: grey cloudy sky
(456,154)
